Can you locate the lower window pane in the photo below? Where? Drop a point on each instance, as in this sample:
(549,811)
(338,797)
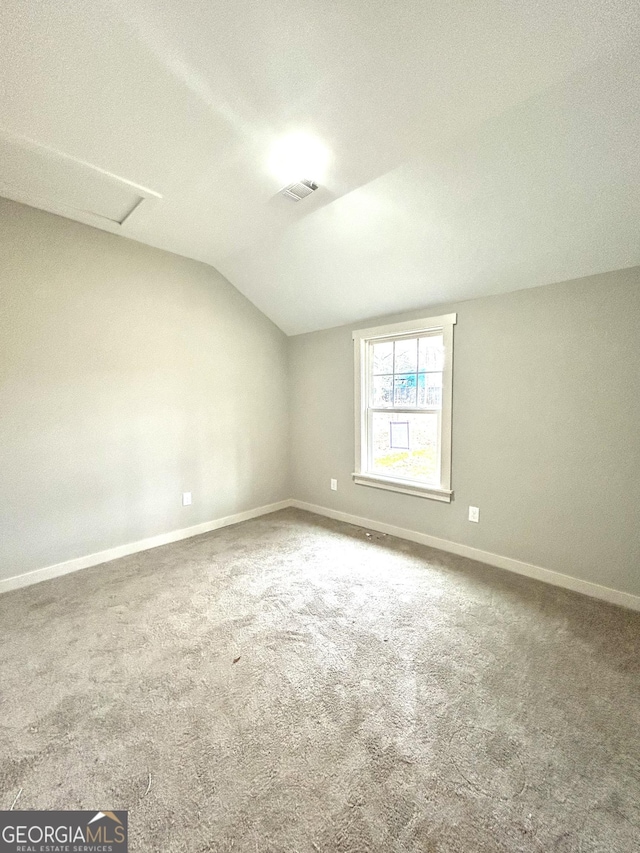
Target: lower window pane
(405,446)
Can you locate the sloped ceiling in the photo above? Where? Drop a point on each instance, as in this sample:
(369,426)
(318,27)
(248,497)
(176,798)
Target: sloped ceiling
(476,147)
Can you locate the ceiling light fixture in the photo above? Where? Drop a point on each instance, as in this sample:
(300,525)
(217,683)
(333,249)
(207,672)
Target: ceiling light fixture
(299,158)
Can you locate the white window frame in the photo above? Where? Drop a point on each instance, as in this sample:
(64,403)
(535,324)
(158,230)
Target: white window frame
(362,340)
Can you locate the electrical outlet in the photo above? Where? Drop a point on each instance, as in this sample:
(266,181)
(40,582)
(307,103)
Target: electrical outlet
(186,499)
(474,513)
(334,485)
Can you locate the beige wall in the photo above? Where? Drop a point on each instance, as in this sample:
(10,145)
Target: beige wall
(127,376)
(546,429)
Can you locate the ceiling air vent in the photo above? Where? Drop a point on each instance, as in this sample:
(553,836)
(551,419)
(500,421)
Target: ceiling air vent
(299,190)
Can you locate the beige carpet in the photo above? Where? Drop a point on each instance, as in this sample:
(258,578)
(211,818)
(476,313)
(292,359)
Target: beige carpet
(292,684)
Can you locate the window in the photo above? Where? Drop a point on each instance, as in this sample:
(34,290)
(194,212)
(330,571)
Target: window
(403,377)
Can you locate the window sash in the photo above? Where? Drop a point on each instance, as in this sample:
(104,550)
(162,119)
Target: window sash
(369,443)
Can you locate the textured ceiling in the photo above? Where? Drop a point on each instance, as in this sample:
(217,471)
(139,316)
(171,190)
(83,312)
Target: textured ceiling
(477,148)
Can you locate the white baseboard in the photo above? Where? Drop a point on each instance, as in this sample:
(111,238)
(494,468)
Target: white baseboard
(78,563)
(614,596)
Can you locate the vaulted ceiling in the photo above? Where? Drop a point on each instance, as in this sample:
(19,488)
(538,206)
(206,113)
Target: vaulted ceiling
(475,147)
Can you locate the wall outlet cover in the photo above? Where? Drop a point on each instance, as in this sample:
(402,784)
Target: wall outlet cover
(186,499)
(334,485)
(474,513)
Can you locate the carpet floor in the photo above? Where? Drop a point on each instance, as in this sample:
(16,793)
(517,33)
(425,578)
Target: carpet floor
(298,685)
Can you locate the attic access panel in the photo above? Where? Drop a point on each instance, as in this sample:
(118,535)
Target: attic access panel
(52,180)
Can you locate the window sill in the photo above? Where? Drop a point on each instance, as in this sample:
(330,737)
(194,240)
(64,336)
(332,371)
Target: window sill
(405,487)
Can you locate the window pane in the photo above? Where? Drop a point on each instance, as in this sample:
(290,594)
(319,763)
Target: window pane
(406,360)
(405,390)
(430,390)
(405,446)
(431,353)
(383,358)
(382,392)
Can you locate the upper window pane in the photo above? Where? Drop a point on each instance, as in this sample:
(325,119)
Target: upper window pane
(431,351)
(406,356)
(430,390)
(383,358)
(404,390)
(382,392)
